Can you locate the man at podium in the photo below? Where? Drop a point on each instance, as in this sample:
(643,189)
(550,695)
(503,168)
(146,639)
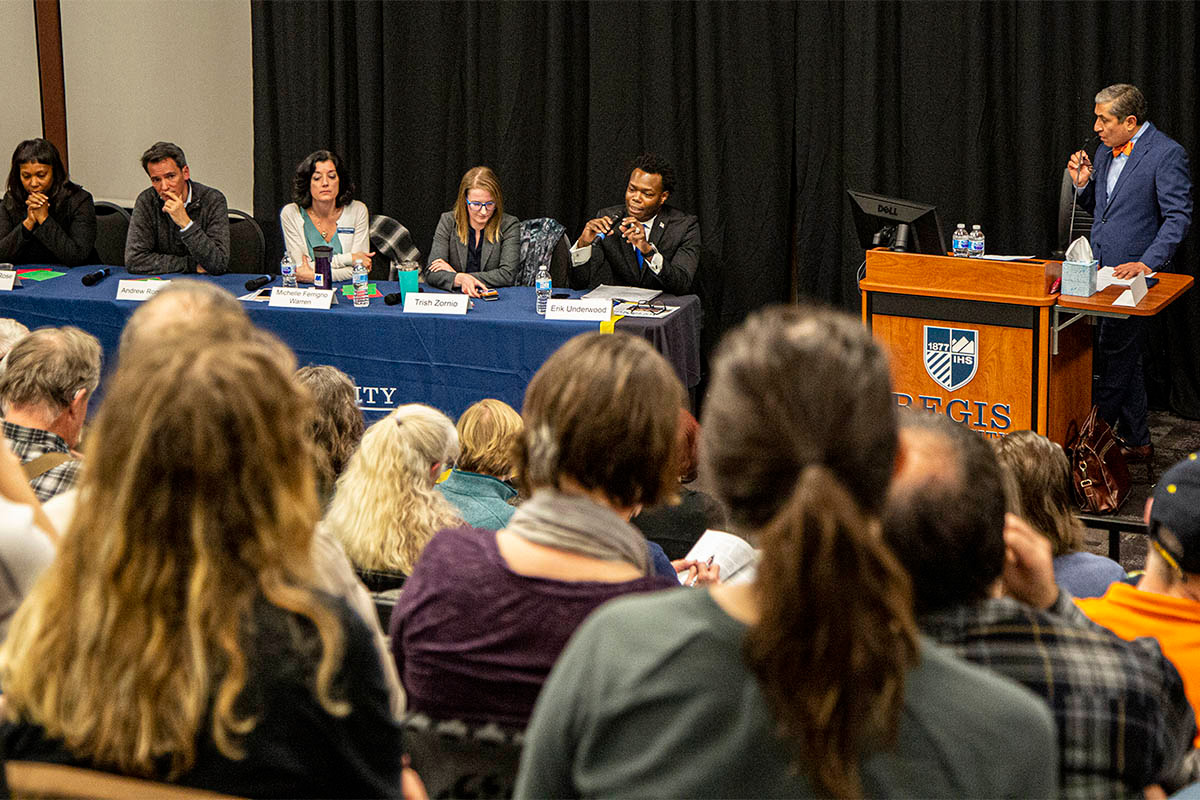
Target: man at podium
(1141,201)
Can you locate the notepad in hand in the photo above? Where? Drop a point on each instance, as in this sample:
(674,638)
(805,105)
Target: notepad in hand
(733,554)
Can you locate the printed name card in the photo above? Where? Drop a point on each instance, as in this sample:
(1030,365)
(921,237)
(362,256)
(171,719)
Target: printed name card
(139,290)
(300,298)
(580,310)
(415,303)
(8,279)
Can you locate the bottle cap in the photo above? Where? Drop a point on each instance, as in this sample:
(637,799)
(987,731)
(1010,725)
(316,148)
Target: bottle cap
(974,227)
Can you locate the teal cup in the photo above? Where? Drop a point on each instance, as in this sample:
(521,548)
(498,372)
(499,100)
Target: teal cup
(408,274)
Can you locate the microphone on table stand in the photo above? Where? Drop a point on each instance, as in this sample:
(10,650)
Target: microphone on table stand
(255,284)
(393,299)
(92,278)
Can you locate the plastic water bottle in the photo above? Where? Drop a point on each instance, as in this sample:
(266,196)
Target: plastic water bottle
(360,285)
(288,270)
(961,241)
(542,285)
(976,241)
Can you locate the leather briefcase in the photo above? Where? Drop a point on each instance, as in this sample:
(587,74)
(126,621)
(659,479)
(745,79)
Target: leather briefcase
(1099,474)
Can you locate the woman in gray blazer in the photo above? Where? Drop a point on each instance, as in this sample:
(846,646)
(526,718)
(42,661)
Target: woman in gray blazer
(477,246)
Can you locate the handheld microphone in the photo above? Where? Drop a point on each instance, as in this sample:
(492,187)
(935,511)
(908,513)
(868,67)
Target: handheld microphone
(1075,195)
(616,220)
(92,278)
(392,299)
(257,283)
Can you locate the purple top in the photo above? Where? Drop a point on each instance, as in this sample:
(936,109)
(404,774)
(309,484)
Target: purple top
(474,640)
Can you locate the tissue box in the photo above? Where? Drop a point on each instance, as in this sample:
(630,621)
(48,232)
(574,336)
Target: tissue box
(1079,278)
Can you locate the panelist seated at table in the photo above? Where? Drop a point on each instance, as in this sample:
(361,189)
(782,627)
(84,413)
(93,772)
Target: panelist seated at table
(178,225)
(325,213)
(476,246)
(44,217)
(642,243)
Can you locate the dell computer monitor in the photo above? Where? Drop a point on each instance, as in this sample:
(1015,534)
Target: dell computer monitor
(897,224)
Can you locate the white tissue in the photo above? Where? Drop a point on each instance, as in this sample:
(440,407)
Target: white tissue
(1080,251)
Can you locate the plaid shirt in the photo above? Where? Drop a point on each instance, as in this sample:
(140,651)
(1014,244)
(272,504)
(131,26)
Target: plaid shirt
(1123,719)
(28,444)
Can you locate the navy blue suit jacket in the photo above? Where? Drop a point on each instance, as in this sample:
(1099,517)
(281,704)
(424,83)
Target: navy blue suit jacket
(675,234)
(1150,209)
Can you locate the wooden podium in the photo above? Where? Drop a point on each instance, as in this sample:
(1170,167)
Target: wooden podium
(986,342)
(972,339)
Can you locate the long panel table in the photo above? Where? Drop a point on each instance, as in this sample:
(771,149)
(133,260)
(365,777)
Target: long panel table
(448,362)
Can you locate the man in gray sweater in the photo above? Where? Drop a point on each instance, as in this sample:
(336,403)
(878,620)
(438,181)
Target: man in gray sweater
(178,225)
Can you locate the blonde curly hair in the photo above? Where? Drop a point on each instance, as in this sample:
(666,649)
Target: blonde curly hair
(385,507)
(194,503)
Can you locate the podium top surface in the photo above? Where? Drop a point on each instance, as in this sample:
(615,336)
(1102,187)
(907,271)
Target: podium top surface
(1018,282)
(1168,289)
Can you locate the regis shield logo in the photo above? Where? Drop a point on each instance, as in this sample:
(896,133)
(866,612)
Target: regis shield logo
(951,355)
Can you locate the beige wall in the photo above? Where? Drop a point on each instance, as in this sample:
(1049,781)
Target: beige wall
(137,71)
(21,116)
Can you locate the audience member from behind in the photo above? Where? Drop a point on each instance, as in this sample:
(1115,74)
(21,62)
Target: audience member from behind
(337,425)
(180,618)
(44,390)
(11,332)
(984,587)
(192,309)
(44,217)
(642,242)
(485,614)
(478,486)
(812,681)
(195,311)
(385,508)
(1166,603)
(677,526)
(178,224)
(476,245)
(324,213)
(1042,476)
(27,537)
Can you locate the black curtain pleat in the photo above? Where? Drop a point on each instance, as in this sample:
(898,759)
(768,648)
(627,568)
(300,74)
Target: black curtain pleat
(769,111)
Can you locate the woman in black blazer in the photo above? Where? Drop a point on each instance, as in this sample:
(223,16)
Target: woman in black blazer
(477,246)
(44,218)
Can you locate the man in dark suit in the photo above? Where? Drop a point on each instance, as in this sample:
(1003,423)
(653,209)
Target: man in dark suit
(642,243)
(1141,199)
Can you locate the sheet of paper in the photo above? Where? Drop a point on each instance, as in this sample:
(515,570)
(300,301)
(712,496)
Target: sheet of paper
(631,310)
(634,293)
(732,553)
(987,257)
(1104,279)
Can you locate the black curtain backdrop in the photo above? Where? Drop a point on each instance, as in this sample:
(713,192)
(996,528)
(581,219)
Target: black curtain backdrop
(769,111)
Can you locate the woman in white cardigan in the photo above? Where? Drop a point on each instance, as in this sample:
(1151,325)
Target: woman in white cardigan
(325,213)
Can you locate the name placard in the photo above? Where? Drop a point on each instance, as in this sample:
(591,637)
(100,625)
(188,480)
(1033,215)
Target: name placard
(580,310)
(300,298)
(8,279)
(139,290)
(415,303)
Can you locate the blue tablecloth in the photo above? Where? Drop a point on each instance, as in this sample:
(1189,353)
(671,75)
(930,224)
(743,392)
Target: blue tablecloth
(448,362)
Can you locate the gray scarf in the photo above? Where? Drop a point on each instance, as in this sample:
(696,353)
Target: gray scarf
(579,525)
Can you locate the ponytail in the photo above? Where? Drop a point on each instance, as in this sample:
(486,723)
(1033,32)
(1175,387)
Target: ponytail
(836,632)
